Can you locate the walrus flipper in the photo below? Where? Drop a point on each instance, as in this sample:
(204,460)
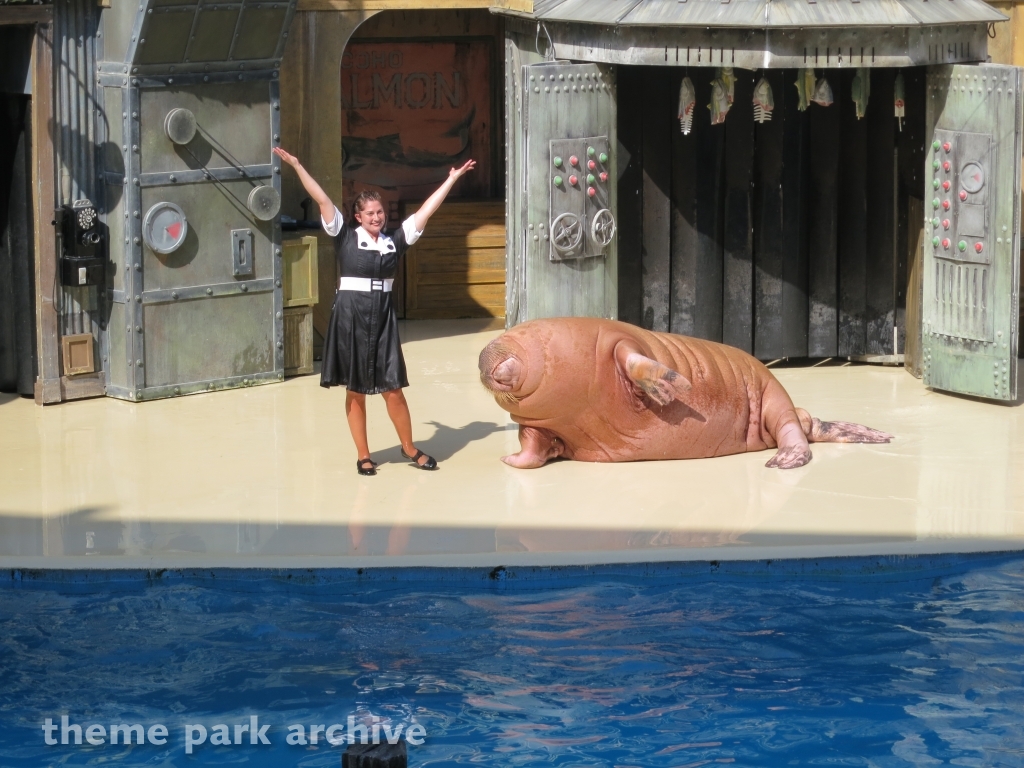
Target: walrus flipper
(537,448)
(657,381)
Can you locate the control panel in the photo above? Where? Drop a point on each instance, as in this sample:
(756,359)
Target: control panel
(960,202)
(581,222)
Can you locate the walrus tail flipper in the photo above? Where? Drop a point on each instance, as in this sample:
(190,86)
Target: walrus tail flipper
(819,431)
(657,381)
(537,448)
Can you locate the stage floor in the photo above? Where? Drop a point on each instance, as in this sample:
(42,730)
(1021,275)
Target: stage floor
(265,477)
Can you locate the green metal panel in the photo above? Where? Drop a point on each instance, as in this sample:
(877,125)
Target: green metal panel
(213,33)
(219,110)
(208,339)
(565,106)
(117,335)
(972,256)
(212,211)
(260,30)
(165,35)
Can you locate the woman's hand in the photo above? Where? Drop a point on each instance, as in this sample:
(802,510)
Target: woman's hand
(455,173)
(292,160)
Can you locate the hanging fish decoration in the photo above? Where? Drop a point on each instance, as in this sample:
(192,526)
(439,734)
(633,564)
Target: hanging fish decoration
(860,90)
(720,102)
(804,88)
(822,92)
(901,104)
(687,102)
(726,75)
(764,102)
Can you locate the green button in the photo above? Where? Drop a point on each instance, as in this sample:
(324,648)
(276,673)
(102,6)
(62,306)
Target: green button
(558,181)
(936,145)
(936,203)
(590,178)
(935,165)
(962,245)
(935,184)
(603,158)
(558,164)
(591,151)
(935,242)
(935,221)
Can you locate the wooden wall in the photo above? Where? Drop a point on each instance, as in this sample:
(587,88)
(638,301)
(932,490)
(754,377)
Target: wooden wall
(787,238)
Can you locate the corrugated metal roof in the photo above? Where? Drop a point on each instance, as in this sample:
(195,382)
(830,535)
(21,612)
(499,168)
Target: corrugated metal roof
(768,13)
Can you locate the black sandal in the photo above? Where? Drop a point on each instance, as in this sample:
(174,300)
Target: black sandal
(363,470)
(430,463)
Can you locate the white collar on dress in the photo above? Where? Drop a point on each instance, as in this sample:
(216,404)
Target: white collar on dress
(384,243)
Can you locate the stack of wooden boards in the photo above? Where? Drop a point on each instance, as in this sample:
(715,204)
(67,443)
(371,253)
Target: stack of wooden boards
(457,268)
(301,294)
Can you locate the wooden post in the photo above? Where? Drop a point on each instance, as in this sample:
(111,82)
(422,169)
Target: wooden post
(738,258)
(631,198)
(657,182)
(47,385)
(823,220)
(853,221)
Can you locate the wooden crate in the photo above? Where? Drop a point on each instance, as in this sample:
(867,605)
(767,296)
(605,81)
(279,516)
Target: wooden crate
(298,341)
(301,271)
(457,269)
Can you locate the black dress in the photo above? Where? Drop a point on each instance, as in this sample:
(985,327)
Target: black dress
(362,350)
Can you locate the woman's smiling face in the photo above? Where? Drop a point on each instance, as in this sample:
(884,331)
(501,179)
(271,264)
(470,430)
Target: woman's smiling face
(371,218)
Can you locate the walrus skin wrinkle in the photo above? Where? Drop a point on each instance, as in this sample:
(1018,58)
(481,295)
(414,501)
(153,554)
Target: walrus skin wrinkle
(601,390)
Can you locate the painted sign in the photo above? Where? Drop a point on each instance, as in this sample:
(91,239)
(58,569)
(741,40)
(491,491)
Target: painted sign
(410,112)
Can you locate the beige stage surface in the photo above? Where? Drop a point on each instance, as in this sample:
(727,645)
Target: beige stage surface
(265,477)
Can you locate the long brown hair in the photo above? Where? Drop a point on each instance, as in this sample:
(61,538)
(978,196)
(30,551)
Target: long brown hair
(362,199)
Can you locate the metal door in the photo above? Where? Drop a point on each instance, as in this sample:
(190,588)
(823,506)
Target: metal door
(565,223)
(972,258)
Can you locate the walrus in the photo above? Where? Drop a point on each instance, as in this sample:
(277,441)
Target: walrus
(601,390)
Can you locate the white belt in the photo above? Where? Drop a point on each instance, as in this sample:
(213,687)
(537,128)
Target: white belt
(365,284)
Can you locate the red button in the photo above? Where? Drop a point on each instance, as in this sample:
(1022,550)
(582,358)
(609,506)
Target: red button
(979,247)
(947,146)
(945,203)
(591,164)
(945,223)
(946,185)
(946,166)
(591,191)
(963,195)
(574,160)
(573,180)
(945,243)
(604,176)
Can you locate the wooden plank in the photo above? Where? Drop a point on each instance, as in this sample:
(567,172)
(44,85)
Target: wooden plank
(880,264)
(794,224)
(915,287)
(911,149)
(684,236)
(298,341)
(658,116)
(474,240)
(48,383)
(81,387)
(630,195)
(25,14)
(852,230)
(768,226)
(823,222)
(738,245)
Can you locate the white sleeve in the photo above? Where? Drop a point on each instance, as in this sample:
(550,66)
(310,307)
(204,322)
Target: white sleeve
(411,233)
(334,227)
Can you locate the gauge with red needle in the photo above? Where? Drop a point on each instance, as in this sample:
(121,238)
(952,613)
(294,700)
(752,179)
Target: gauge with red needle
(164,227)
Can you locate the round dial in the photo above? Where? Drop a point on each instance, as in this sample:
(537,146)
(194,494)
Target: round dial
(164,228)
(972,177)
(566,233)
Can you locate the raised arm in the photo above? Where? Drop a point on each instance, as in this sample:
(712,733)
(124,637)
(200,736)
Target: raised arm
(315,190)
(433,202)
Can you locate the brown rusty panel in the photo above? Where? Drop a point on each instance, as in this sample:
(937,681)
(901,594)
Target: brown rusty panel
(212,211)
(117,340)
(260,31)
(165,36)
(81,387)
(208,339)
(412,110)
(214,30)
(219,109)
(298,341)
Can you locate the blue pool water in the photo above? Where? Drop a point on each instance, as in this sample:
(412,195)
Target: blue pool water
(865,662)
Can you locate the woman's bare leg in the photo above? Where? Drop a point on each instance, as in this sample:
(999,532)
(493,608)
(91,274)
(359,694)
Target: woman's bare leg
(355,410)
(398,410)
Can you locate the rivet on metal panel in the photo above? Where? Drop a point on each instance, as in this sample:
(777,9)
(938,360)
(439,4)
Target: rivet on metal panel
(138,267)
(177,390)
(206,78)
(277,283)
(277,252)
(173,178)
(137,299)
(135,115)
(129,329)
(278,315)
(174,295)
(209,291)
(244,288)
(138,329)
(280,345)
(129,363)
(138,363)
